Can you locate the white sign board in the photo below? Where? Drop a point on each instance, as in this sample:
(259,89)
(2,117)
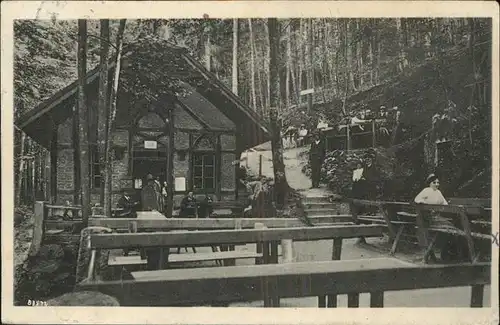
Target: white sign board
(180,183)
(306,91)
(137,183)
(148,144)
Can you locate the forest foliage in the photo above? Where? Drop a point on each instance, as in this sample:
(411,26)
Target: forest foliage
(437,71)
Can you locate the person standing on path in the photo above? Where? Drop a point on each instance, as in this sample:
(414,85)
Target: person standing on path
(151,195)
(316,157)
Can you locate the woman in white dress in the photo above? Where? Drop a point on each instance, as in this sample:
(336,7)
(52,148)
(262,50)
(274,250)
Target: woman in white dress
(449,245)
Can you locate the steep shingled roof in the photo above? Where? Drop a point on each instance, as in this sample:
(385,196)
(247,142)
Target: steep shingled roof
(211,99)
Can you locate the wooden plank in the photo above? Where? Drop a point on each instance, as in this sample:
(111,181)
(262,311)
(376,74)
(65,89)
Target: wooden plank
(245,283)
(212,223)
(150,215)
(217,237)
(126,260)
(200,257)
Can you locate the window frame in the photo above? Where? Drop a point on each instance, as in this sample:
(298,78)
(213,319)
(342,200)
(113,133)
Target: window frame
(213,166)
(95,164)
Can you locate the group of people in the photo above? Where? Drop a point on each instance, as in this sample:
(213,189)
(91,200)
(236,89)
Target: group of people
(154,197)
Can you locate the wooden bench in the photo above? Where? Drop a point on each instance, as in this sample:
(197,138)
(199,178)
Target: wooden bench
(158,224)
(267,239)
(213,286)
(398,225)
(465,218)
(405,219)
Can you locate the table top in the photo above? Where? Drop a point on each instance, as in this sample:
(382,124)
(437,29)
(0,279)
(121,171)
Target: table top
(150,215)
(274,269)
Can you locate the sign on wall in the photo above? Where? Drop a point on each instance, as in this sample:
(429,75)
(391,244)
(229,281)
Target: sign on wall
(149,144)
(180,183)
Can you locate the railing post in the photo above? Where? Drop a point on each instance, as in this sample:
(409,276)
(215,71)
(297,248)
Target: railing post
(377,299)
(38,227)
(476,297)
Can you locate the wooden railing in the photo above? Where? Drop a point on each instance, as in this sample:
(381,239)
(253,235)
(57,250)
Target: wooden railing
(191,287)
(214,223)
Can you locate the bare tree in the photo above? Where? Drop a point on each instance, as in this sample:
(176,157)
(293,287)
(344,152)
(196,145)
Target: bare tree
(83,119)
(103,107)
(111,119)
(280,181)
(236,38)
(252,65)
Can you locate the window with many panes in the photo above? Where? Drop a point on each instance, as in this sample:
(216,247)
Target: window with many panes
(204,171)
(95,167)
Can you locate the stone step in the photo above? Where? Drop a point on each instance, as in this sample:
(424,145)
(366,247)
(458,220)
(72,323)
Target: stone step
(321,205)
(322,212)
(316,199)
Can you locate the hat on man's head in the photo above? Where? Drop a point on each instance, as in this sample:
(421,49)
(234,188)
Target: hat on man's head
(149,177)
(431,178)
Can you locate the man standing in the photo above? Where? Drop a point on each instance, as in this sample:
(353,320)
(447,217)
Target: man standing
(151,195)
(316,157)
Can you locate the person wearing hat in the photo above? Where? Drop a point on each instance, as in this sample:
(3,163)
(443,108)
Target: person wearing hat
(150,196)
(431,194)
(316,157)
(451,247)
(127,205)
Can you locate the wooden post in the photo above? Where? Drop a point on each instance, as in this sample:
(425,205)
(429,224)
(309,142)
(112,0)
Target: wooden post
(287,250)
(259,246)
(170,166)
(377,299)
(53,165)
(374,135)
(260,165)
(38,227)
(348,128)
(353,300)
(476,298)
(464,219)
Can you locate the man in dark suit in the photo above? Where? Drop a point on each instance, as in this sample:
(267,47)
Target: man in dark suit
(127,204)
(316,157)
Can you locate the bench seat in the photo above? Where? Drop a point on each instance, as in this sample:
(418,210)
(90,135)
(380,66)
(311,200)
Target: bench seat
(458,232)
(202,257)
(183,258)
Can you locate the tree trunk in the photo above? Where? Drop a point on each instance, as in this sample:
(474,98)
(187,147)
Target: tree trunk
(370,57)
(401,52)
(103,106)
(21,169)
(348,45)
(268,66)
(288,64)
(359,55)
(280,182)
(208,46)
(111,121)
(236,41)
(310,64)
(83,113)
(252,65)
